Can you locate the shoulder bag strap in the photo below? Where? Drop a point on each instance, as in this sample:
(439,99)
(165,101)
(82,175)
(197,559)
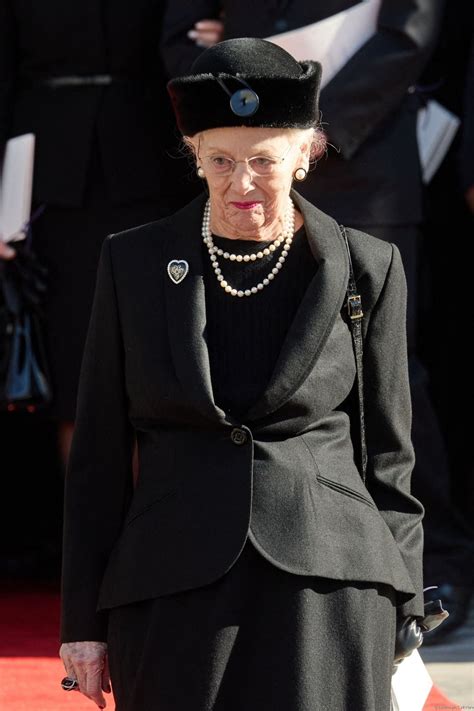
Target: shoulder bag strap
(354,308)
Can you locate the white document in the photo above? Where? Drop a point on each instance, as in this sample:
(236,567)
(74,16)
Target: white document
(411,684)
(334,40)
(436,128)
(16,182)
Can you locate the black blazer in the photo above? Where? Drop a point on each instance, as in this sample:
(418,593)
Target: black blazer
(368,109)
(285,474)
(132,120)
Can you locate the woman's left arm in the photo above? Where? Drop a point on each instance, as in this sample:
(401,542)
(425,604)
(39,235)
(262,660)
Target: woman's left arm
(388,417)
(99,481)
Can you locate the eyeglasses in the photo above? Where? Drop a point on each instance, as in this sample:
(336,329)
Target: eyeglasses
(258,165)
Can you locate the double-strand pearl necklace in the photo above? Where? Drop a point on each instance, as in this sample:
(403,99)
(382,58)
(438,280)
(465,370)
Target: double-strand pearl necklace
(286,236)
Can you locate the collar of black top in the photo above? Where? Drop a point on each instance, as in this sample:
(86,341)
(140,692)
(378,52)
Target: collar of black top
(246,82)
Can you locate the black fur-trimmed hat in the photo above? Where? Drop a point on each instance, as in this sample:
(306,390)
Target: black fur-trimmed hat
(246,82)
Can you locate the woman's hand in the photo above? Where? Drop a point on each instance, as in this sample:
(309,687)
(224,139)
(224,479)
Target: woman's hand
(87,662)
(6,252)
(207,33)
(409,636)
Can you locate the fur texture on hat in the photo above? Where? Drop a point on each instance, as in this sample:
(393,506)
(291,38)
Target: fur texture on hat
(287,90)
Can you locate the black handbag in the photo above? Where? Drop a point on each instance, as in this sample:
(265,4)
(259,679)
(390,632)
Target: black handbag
(24,374)
(409,634)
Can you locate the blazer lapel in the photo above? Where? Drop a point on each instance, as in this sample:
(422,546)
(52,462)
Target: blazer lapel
(316,314)
(314,319)
(186,309)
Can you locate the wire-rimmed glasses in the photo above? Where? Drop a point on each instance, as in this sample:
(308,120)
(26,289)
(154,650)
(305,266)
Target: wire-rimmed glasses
(262,165)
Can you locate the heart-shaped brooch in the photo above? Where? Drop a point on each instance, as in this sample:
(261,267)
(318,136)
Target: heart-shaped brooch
(177,270)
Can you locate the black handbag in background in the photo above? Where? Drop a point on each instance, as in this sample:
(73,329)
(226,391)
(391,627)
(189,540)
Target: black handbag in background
(24,374)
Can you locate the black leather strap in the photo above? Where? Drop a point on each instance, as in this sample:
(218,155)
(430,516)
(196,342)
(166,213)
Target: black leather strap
(354,308)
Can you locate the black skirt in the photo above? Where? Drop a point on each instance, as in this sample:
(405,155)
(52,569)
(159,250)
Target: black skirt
(257,639)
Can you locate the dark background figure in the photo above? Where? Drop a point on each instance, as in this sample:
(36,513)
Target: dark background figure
(466,156)
(372,181)
(87,79)
(449,78)
(445,288)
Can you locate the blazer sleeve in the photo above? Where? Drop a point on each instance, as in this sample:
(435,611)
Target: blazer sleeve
(388,417)
(8,61)
(373,83)
(178,51)
(99,479)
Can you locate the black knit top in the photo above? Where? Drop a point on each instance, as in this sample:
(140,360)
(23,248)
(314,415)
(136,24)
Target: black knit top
(245,334)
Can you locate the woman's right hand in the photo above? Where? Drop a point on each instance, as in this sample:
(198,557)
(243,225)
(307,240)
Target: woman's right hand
(408,637)
(207,33)
(6,252)
(87,662)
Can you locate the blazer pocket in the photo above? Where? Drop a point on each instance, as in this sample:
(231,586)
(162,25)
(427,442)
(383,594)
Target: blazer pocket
(346,490)
(337,485)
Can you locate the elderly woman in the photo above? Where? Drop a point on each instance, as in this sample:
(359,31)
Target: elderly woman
(249,567)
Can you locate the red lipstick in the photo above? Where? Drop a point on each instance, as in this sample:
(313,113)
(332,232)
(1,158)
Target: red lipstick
(245,205)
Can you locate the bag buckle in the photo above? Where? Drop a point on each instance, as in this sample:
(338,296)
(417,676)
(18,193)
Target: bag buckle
(354,306)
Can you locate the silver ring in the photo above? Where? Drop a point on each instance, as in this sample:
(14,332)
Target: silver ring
(68,683)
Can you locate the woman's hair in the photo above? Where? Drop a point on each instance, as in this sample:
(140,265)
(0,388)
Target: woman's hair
(317,136)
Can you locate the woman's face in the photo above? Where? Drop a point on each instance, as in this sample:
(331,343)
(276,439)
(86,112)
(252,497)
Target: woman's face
(244,204)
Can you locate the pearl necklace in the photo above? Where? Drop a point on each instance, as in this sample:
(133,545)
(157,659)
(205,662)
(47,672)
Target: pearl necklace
(287,236)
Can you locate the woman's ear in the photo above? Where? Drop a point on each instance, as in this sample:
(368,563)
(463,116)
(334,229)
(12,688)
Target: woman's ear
(306,144)
(192,144)
(304,156)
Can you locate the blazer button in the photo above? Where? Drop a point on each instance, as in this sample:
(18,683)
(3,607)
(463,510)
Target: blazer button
(238,436)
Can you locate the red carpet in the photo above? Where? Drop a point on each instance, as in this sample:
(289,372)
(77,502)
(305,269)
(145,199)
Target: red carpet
(31,670)
(437,701)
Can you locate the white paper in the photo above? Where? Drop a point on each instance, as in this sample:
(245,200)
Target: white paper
(436,128)
(411,684)
(334,40)
(16,182)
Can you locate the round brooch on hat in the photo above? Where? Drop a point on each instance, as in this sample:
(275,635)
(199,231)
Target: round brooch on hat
(244,102)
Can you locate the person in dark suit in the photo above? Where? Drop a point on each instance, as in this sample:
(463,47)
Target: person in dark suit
(449,79)
(250,567)
(88,81)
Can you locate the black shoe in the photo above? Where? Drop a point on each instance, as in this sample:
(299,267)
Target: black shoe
(456,600)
